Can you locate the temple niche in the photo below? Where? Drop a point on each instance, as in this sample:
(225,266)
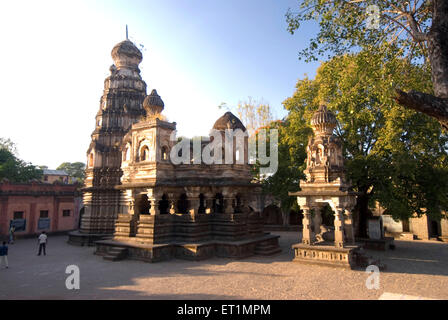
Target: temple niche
(326,189)
(154,208)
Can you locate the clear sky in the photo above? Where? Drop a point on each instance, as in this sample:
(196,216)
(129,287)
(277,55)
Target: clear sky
(55,56)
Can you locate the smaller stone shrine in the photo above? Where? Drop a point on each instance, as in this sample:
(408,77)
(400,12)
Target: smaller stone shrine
(326,184)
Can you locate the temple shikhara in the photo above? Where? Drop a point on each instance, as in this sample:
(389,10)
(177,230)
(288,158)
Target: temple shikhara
(149,208)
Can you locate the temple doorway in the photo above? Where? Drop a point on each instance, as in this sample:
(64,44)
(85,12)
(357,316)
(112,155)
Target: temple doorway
(142,204)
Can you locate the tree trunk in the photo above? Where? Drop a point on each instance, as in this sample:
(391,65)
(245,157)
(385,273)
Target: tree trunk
(437,40)
(362,214)
(438,48)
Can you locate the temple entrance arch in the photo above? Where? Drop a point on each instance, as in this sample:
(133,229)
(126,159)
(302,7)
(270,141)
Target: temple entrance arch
(434,229)
(164,205)
(218,203)
(327,215)
(142,204)
(201,208)
(182,204)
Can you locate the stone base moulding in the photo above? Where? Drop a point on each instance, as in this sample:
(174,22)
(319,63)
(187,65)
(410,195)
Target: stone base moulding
(190,251)
(86,239)
(326,254)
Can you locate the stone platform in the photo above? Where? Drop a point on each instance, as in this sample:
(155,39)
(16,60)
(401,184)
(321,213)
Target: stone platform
(86,239)
(264,245)
(325,253)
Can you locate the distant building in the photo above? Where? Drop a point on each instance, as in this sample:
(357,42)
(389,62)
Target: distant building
(36,206)
(51,176)
(423,228)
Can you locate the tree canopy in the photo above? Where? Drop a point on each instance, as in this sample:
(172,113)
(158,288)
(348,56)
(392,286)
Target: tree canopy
(419,28)
(290,165)
(395,156)
(14,169)
(74,169)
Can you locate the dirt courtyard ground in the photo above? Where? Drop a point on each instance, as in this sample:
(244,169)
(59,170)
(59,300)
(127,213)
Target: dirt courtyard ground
(417,268)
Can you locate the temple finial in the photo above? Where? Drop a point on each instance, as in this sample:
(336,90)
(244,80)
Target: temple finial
(127,38)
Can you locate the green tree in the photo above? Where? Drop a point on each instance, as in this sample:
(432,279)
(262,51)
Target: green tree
(74,169)
(418,27)
(14,169)
(395,156)
(8,145)
(290,166)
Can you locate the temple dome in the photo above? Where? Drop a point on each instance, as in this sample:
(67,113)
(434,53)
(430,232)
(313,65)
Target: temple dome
(229,121)
(126,55)
(153,104)
(323,120)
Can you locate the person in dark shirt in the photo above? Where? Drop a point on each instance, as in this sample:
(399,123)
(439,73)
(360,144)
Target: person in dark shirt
(4,254)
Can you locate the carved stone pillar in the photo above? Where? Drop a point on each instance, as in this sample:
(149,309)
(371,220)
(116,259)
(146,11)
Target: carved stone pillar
(306,222)
(339,228)
(245,204)
(193,201)
(154,210)
(172,203)
(317,221)
(154,199)
(348,226)
(228,204)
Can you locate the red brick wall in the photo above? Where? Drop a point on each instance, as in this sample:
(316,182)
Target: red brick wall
(33,198)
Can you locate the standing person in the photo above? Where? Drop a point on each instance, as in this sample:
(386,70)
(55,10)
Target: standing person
(4,254)
(11,234)
(42,240)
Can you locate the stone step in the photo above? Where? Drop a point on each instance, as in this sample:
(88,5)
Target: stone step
(269,252)
(117,250)
(264,245)
(112,258)
(116,254)
(266,249)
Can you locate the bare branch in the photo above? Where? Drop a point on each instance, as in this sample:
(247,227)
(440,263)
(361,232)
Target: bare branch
(397,22)
(415,27)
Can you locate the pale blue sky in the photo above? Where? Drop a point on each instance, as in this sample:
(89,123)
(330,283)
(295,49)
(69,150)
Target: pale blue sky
(198,54)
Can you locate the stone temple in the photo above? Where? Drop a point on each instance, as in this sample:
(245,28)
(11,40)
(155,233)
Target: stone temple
(150,208)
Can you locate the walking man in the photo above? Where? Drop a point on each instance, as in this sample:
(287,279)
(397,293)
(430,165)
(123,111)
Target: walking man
(4,254)
(42,240)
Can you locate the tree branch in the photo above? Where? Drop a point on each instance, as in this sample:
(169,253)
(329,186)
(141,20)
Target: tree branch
(425,103)
(416,33)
